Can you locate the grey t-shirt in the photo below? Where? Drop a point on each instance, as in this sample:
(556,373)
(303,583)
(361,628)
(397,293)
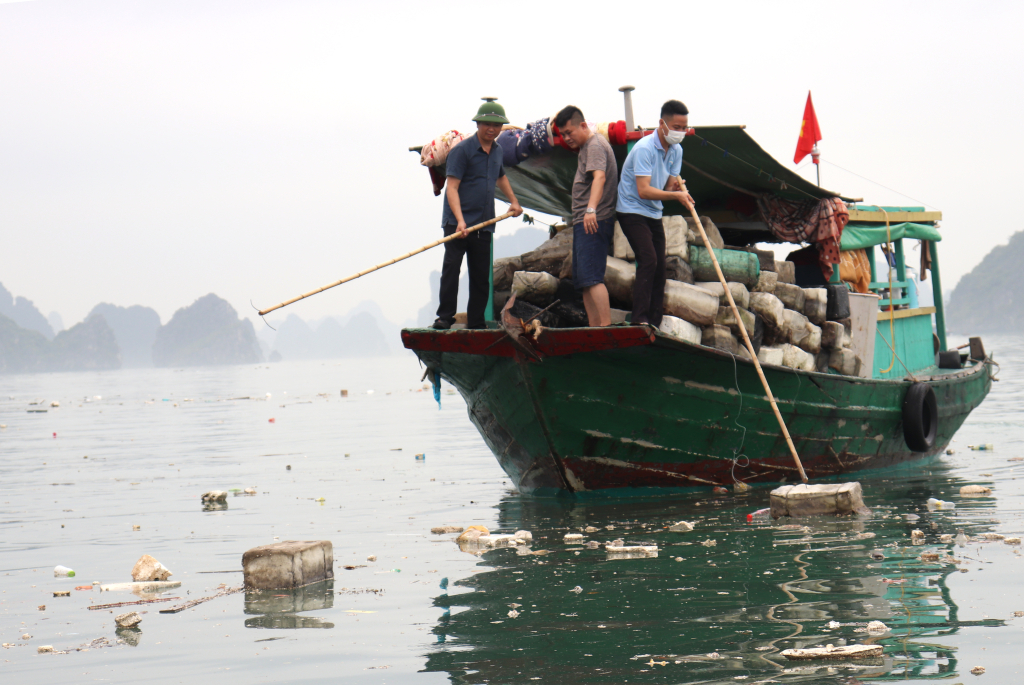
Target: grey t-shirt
(595,155)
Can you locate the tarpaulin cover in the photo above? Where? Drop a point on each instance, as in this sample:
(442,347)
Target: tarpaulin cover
(857,235)
(727,172)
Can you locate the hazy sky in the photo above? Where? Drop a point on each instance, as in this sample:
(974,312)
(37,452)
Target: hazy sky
(154,151)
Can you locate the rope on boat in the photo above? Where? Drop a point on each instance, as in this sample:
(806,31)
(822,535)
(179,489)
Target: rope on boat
(736,454)
(895,356)
(892,318)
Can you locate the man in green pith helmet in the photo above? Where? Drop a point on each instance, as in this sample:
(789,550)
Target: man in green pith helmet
(474,168)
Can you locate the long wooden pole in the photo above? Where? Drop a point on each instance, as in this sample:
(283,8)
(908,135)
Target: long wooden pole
(454,236)
(746,341)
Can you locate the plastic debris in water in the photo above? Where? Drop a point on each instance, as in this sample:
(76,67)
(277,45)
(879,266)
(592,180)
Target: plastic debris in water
(961,539)
(576,590)
(421,457)
(759,515)
(513,614)
(939,505)
(987,447)
(63,572)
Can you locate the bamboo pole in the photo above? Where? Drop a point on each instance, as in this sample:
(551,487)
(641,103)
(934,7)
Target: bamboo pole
(746,340)
(454,236)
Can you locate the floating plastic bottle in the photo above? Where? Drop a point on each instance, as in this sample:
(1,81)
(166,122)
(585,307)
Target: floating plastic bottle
(63,572)
(939,505)
(987,447)
(759,515)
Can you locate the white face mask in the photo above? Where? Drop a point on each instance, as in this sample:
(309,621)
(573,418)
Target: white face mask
(674,137)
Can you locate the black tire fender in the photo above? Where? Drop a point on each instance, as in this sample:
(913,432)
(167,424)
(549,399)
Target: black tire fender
(920,417)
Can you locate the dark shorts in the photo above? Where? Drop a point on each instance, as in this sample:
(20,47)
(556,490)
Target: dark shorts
(590,253)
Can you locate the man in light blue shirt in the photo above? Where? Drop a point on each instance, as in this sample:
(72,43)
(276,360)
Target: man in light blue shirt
(649,178)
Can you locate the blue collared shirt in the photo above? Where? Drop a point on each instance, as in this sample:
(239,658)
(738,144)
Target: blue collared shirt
(478,173)
(647,158)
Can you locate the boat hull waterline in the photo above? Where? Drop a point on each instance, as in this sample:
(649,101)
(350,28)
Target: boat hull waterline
(629,411)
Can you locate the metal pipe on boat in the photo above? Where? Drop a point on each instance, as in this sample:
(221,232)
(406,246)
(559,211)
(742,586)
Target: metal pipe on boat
(453,236)
(940,310)
(746,338)
(628,97)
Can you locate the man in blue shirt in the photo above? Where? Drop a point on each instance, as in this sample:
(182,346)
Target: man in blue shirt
(647,180)
(473,168)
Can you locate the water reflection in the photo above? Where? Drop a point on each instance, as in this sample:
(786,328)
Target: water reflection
(716,603)
(130,636)
(280,608)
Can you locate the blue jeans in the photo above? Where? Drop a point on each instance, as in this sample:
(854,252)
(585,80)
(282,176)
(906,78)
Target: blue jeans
(590,253)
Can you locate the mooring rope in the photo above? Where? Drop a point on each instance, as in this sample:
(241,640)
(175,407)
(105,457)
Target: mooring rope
(736,454)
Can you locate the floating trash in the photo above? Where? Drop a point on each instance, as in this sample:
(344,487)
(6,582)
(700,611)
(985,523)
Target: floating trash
(759,515)
(833,652)
(128,620)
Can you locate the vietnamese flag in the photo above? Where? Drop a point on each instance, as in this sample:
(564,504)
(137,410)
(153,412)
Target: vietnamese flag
(810,134)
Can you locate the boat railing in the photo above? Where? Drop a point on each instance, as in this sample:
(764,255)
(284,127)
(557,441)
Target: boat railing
(882,287)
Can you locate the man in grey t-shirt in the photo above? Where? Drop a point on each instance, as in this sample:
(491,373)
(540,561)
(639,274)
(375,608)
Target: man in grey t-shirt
(594,193)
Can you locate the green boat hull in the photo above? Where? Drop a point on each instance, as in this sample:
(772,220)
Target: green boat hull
(661,414)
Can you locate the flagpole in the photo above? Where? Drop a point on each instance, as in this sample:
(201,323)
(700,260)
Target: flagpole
(815,157)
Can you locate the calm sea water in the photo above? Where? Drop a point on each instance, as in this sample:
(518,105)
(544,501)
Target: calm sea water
(139,447)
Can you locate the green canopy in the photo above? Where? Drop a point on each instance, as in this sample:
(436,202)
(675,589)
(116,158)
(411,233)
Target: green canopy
(857,235)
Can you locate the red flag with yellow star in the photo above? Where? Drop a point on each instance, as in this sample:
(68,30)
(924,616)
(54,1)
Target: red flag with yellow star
(810,134)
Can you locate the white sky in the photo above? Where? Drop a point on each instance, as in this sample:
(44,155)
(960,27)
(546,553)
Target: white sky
(154,151)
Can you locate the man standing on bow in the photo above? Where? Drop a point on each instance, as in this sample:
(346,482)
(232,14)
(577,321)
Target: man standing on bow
(593,211)
(649,179)
(473,168)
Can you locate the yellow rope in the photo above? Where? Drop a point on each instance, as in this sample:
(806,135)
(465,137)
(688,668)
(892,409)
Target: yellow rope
(892,318)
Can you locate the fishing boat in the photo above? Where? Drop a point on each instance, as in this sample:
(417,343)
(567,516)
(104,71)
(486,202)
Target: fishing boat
(630,410)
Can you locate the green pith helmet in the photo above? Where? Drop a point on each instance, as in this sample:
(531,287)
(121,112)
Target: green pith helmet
(491,112)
